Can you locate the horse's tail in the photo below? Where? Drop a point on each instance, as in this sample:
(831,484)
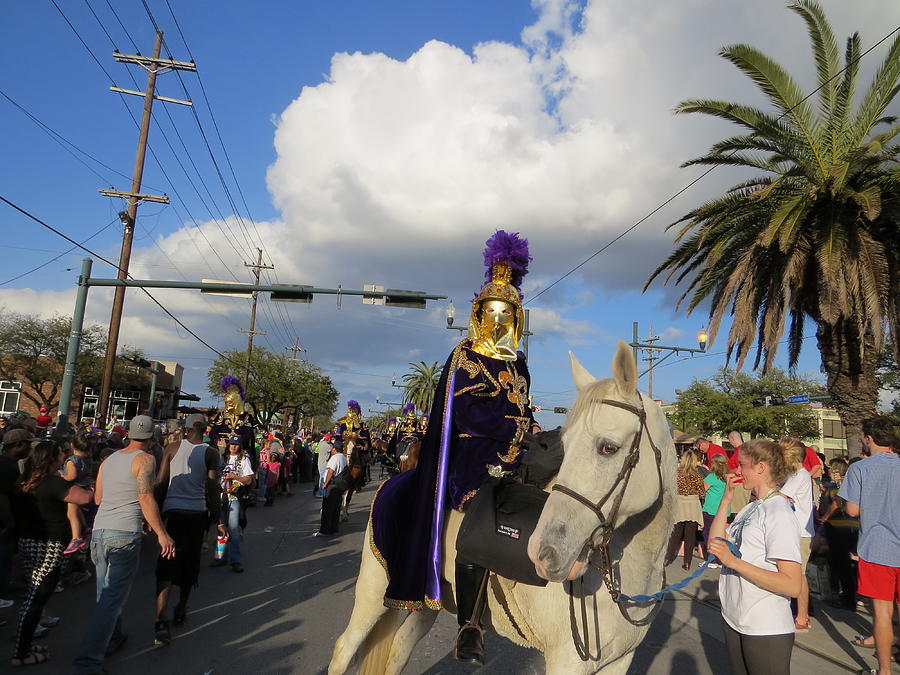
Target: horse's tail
(376,648)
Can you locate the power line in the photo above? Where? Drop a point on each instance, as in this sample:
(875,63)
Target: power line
(63,142)
(237,184)
(702,175)
(64,253)
(221,222)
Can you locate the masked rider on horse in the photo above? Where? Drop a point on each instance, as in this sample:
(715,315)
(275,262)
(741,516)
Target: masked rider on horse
(479,416)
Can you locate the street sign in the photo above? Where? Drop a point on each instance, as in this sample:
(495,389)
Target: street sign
(799,398)
(561,411)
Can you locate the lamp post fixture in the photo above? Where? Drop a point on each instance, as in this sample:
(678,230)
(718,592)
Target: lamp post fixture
(451,314)
(651,346)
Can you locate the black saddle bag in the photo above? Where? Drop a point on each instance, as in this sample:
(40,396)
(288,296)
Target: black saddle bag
(496,527)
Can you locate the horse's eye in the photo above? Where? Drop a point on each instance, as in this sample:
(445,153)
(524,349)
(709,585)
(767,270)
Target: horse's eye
(605,447)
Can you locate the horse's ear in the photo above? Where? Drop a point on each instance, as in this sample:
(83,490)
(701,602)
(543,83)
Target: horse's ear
(624,370)
(580,376)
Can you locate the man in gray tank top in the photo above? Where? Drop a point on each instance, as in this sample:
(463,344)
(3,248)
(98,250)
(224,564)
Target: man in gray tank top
(191,471)
(125,495)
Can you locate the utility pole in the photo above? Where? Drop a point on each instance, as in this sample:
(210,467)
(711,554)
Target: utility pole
(257,268)
(651,358)
(296,348)
(153,65)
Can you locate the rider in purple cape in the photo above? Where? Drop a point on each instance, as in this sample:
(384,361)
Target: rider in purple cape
(477,421)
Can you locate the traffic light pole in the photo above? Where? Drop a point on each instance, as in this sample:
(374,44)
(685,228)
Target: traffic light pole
(74,346)
(285,292)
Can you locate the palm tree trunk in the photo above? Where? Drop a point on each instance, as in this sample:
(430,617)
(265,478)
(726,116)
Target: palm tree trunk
(849,361)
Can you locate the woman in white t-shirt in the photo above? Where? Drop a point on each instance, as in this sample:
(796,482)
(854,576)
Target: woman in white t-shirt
(799,487)
(755,589)
(236,474)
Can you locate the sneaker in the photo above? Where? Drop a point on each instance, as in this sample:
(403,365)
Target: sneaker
(74,546)
(237,567)
(79,578)
(714,566)
(48,621)
(6,603)
(161,634)
(40,632)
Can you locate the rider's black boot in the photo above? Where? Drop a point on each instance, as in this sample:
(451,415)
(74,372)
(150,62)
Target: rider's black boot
(471,584)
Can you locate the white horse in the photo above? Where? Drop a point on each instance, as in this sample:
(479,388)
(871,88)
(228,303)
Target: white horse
(611,427)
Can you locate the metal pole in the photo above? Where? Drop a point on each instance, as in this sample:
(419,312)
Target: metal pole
(115,318)
(634,341)
(68,382)
(152,405)
(525,334)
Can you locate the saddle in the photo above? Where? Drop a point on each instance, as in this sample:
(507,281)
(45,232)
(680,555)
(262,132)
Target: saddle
(501,518)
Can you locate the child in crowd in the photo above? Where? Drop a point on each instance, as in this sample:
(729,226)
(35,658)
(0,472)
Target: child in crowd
(78,469)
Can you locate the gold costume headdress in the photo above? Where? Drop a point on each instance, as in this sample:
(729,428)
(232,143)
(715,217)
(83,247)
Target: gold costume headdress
(506,259)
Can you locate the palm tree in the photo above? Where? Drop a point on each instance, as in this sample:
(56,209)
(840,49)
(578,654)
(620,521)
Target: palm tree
(420,384)
(817,235)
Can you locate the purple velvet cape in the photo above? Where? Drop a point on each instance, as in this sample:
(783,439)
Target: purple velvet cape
(467,432)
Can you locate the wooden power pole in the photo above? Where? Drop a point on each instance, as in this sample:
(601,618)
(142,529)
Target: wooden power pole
(153,65)
(295,349)
(257,268)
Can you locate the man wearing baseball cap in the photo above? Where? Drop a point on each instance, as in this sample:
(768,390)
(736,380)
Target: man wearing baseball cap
(125,495)
(190,468)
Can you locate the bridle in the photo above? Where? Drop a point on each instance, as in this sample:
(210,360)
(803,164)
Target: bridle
(606,528)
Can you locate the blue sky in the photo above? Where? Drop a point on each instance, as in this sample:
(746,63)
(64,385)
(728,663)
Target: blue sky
(384,142)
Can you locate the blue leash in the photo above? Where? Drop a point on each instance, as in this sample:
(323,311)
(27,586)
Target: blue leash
(656,597)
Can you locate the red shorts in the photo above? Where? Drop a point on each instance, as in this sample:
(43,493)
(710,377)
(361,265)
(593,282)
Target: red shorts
(879,581)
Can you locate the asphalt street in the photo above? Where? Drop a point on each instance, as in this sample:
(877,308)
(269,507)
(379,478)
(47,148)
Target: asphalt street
(285,612)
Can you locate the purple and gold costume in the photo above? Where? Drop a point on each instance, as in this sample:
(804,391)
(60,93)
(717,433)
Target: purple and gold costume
(479,414)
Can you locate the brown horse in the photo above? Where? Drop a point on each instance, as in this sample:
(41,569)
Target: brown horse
(412,456)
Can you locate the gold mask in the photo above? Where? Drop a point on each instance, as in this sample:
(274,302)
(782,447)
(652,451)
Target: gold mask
(234,404)
(495,324)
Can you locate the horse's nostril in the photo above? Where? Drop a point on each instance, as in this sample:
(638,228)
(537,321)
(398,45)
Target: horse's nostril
(548,556)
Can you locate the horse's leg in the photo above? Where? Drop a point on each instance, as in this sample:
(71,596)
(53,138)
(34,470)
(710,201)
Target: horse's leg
(413,629)
(368,608)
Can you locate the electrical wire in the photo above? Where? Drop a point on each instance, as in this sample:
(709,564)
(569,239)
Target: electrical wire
(700,177)
(64,253)
(114,265)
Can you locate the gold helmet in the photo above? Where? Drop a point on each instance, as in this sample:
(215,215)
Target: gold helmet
(497,318)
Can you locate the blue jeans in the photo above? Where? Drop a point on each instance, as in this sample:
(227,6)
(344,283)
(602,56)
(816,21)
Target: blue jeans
(320,492)
(116,555)
(261,476)
(232,517)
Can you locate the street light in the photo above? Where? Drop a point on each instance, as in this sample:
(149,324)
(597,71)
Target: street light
(451,314)
(702,339)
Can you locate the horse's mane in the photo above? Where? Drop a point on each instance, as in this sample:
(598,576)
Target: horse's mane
(590,396)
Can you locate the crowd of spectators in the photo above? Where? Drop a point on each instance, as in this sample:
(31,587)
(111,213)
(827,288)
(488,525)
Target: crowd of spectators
(85,502)
(764,510)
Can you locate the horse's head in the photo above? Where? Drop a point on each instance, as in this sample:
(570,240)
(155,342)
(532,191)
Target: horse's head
(608,473)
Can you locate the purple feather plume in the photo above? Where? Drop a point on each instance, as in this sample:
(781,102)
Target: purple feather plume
(510,248)
(353,405)
(409,407)
(231,381)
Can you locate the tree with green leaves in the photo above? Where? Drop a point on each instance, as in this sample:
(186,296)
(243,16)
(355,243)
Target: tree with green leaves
(277,384)
(33,351)
(420,384)
(725,402)
(815,234)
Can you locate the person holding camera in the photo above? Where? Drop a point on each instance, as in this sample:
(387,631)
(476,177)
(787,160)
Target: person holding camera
(237,475)
(755,588)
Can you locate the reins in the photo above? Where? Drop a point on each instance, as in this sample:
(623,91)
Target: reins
(606,530)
